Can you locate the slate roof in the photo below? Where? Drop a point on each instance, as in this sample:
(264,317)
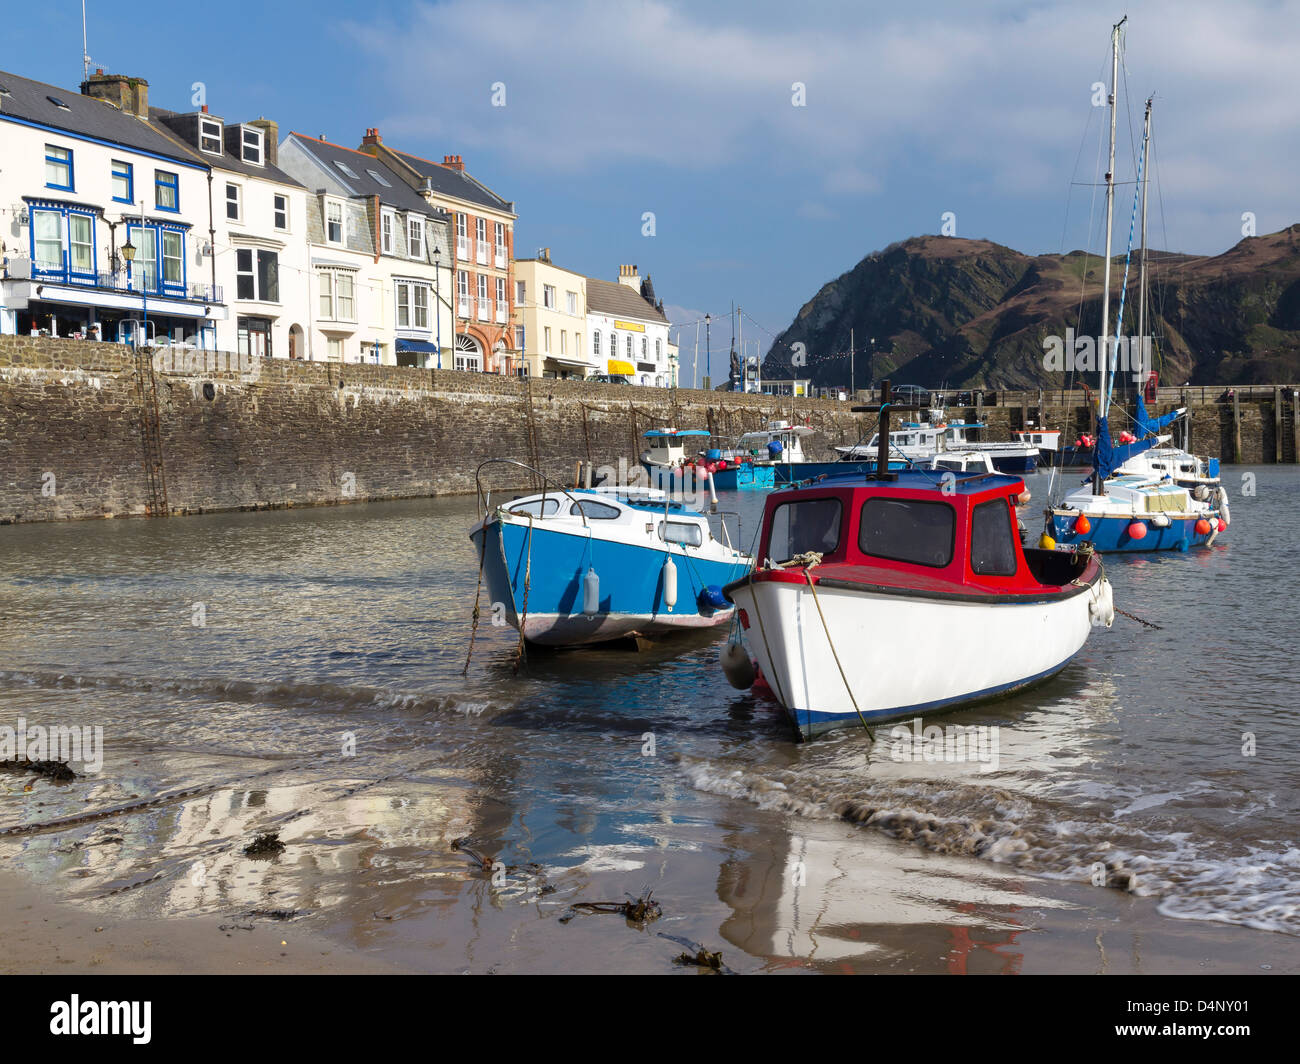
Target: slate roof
(86,115)
(609,297)
(227,160)
(455,183)
(397,194)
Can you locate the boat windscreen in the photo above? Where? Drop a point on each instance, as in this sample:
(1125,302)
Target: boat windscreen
(806,525)
(908,530)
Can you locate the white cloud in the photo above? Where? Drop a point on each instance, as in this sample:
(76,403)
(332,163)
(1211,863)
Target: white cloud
(992,99)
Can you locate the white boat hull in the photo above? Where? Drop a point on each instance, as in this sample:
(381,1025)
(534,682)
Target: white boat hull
(990,649)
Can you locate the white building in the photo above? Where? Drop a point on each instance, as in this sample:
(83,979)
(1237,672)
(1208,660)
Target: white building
(380,284)
(629,331)
(80,176)
(257,232)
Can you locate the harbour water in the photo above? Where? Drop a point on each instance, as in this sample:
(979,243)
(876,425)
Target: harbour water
(300,672)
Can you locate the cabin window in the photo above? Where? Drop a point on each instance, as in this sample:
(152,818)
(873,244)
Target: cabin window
(799,527)
(681,532)
(992,545)
(537,507)
(600,510)
(906,530)
(948,463)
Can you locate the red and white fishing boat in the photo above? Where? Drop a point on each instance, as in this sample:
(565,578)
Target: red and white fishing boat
(862,576)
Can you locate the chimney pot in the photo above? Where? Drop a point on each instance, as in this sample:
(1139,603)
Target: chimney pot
(204,108)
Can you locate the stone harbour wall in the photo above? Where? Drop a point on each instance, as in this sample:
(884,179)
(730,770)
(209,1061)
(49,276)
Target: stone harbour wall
(79,432)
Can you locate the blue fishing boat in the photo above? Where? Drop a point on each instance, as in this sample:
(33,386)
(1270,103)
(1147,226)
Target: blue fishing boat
(571,567)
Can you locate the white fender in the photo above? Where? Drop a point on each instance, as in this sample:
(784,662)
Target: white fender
(670,584)
(1223,504)
(591,593)
(737,666)
(1160,520)
(1101,605)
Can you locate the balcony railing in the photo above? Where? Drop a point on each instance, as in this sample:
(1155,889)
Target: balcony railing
(484,309)
(463,306)
(155,285)
(483,253)
(499,259)
(502,313)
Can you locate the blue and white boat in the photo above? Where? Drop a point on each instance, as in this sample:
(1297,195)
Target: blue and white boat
(1201,475)
(568,568)
(1131,511)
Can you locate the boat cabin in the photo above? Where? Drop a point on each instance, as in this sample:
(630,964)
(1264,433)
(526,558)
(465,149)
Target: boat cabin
(756,444)
(914,533)
(667,447)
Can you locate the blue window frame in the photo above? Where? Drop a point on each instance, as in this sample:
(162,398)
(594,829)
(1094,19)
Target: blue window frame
(58,168)
(123,182)
(63,243)
(167,192)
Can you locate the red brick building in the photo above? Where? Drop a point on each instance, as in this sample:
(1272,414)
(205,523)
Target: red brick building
(482,255)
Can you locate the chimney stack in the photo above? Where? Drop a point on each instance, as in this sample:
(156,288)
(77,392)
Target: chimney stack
(371,138)
(130,95)
(627,275)
(270,135)
(453,162)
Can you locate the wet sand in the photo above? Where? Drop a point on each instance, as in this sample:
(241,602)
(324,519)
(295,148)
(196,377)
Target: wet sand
(45,937)
(878,918)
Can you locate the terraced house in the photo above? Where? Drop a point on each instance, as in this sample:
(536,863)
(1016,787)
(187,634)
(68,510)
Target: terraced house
(482,254)
(255,234)
(380,273)
(104,220)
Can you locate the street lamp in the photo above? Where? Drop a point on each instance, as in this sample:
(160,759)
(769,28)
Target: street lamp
(128,255)
(437,288)
(708,358)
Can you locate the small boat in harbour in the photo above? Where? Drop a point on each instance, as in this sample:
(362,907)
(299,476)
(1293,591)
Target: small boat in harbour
(587,565)
(858,572)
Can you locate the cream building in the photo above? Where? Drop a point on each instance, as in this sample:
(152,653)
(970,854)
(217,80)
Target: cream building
(628,331)
(552,308)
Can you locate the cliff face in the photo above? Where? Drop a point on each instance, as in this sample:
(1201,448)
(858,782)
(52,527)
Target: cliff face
(970,313)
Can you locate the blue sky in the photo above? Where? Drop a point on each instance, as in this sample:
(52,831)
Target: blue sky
(616,108)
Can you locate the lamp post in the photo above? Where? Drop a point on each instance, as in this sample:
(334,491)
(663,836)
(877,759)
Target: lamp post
(708,357)
(437,286)
(128,255)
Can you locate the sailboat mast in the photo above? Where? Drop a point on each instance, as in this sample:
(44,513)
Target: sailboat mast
(1144,347)
(1103,350)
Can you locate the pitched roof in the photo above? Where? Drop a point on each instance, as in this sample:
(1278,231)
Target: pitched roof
(30,100)
(609,297)
(360,177)
(455,183)
(227,160)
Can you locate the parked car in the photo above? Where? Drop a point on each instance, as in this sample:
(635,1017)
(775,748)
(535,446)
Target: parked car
(606,378)
(910,394)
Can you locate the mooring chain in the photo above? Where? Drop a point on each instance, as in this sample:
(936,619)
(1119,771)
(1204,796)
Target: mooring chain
(1145,624)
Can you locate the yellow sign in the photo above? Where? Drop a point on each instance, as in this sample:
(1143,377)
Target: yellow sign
(629,326)
(621,369)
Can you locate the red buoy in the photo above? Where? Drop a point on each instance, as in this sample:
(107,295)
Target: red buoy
(1223,525)
(1137,530)
(1203,527)
(1082,525)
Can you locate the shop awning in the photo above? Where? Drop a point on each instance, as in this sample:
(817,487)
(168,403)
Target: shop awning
(620,368)
(422,346)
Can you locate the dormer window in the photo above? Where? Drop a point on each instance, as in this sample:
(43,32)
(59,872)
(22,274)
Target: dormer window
(416,237)
(210,136)
(252,143)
